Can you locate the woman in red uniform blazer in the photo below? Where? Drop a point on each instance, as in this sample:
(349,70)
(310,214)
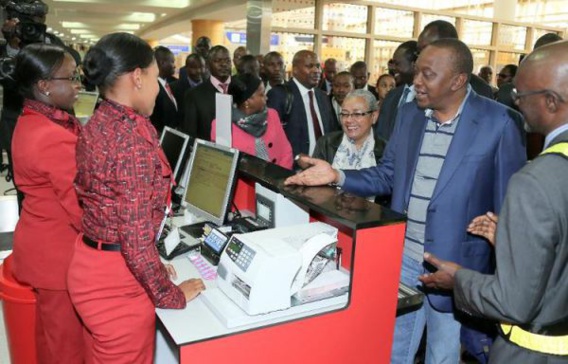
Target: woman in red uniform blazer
(116,278)
(256,129)
(43,149)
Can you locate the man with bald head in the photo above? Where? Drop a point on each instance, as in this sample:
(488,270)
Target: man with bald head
(304,109)
(528,294)
(449,158)
(441,29)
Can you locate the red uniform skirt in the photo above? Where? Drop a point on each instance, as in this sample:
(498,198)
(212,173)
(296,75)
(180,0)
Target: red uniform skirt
(113,306)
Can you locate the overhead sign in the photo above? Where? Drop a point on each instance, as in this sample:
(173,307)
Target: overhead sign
(241,38)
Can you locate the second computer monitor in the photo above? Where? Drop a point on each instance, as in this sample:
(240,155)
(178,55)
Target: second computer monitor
(174,144)
(210,181)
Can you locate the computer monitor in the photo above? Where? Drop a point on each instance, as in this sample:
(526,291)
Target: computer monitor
(85,105)
(174,144)
(210,181)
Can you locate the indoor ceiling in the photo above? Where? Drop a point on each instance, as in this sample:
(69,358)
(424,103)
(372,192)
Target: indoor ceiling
(83,21)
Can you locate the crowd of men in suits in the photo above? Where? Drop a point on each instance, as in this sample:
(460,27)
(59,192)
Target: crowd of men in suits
(451,153)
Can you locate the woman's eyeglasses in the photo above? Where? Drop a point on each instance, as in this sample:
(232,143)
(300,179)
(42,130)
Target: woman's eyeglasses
(354,115)
(75,78)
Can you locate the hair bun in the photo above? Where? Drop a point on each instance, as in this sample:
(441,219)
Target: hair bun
(97,65)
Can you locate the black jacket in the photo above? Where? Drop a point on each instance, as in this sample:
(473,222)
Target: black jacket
(327,145)
(296,123)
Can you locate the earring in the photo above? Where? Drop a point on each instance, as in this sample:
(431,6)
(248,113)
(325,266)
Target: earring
(246,105)
(47,93)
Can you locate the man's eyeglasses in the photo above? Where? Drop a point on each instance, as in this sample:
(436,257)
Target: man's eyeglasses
(75,78)
(516,95)
(354,115)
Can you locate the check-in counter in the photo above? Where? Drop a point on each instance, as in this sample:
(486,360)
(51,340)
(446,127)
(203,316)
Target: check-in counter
(360,329)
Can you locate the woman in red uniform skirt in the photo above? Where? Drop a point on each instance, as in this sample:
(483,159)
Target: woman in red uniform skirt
(43,149)
(116,278)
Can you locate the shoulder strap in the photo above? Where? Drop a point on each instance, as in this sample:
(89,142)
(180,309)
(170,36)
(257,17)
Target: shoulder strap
(559,148)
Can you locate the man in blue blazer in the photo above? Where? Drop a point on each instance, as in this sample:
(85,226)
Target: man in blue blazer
(292,102)
(449,159)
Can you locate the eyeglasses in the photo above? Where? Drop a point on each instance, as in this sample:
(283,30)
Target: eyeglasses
(516,96)
(354,115)
(75,78)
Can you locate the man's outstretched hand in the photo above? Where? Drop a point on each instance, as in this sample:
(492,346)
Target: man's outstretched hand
(443,278)
(317,173)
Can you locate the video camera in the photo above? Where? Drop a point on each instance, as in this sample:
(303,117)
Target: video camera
(31,15)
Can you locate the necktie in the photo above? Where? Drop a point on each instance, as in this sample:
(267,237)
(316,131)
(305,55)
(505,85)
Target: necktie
(223,87)
(315,121)
(404,96)
(170,93)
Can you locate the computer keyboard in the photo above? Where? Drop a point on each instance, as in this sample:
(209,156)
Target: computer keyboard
(206,270)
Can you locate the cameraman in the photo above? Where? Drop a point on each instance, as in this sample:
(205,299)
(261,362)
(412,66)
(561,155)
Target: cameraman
(25,24)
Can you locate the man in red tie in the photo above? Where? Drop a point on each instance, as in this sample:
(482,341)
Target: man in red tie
(304,109)
(199,102)
(166,111)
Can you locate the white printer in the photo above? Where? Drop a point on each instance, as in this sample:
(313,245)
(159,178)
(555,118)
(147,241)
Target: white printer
(260,271)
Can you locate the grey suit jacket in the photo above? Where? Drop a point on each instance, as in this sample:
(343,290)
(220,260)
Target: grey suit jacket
(530,284)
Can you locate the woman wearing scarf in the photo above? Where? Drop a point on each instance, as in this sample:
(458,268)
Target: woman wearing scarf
(256,129)
(43,148)
(354,147)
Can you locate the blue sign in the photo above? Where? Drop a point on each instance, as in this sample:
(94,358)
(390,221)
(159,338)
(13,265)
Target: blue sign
(241,38)
(177,49)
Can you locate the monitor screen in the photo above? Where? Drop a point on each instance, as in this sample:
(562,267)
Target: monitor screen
(85,105)
(210,180)
(174,144)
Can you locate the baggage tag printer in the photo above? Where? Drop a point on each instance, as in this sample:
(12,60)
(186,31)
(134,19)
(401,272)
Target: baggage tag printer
(260,271)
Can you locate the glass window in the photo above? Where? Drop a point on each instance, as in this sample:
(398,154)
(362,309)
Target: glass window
(428,18)
(511,36)
(345,18)
(293,14)
(287,44)
(345,50)
(480,59)
(383,51)
(476,32)
(394,23)
(505,58)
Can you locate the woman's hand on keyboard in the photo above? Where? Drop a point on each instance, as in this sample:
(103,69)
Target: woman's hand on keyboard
(191,288)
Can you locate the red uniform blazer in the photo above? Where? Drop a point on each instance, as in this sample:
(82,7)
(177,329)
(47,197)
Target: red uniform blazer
(43,153)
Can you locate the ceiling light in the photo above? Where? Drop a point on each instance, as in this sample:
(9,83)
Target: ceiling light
(73,24)
(80,31)
(127,26)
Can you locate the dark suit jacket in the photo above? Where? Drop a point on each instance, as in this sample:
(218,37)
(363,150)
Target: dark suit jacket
(373,90)
(481,87)
(165,112)
(384,126)
(296,127)
(179,88)
(199,110)
(487,148)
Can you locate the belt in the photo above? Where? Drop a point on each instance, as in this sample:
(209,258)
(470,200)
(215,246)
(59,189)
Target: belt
(101,246)
(553,345)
